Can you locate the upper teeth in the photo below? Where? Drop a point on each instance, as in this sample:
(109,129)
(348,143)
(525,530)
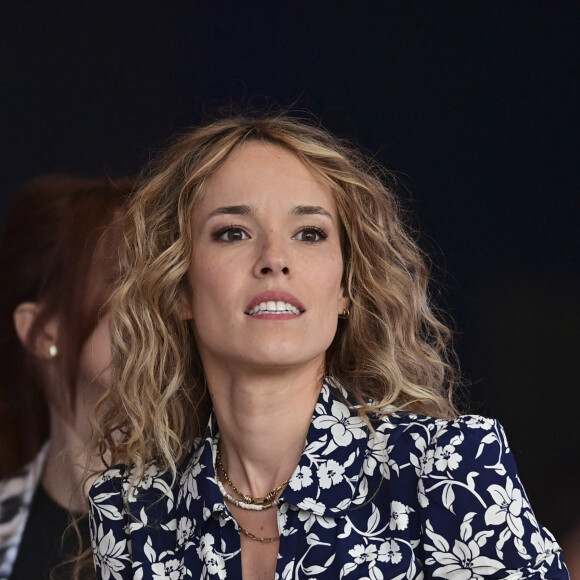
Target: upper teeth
(274,307)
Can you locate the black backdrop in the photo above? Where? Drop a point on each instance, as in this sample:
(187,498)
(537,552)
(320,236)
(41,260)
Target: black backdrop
(473,104)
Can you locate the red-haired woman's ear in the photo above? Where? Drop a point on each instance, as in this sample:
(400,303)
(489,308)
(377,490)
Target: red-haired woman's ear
(43,345)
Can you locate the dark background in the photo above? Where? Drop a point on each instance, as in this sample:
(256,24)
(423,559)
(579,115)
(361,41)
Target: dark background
(473,104)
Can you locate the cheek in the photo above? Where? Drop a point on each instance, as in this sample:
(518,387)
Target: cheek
(204,284)
(330,275)
(213,286)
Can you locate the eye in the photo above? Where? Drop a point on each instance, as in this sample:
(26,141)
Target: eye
(231,234)
(310,235)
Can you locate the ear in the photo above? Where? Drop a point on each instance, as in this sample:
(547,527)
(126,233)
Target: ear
(343,301)
(25,315)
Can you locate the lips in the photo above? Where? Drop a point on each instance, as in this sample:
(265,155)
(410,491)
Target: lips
(274,302)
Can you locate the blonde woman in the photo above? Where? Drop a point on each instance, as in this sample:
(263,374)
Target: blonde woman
(282,393)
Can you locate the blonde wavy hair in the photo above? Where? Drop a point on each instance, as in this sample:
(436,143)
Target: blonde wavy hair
(392,350)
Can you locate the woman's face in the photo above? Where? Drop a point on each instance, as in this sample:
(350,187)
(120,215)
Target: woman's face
(267,265)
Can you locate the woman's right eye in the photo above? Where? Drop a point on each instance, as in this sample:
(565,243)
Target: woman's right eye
(231,234)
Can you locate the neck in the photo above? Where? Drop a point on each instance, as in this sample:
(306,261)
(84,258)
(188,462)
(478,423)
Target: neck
(68,462)
(263,421)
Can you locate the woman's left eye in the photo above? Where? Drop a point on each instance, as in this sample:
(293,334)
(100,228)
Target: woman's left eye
(231,234)
(310,235)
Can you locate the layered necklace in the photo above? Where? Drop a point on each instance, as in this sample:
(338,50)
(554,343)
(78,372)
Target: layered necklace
(243,501)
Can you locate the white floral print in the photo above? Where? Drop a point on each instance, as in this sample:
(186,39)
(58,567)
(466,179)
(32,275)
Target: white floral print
(478,422)
(508,507)
(342,424)
(330,473)
(184,530)
(213,561)
(377,454)
(169,570)
(363,554)
(389,551)
(446,458)
(302,477)
(109,553)
(419,497)
(465,563)
(399,516)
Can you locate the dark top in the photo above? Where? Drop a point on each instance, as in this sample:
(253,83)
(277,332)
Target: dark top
(415,498)
(48,541)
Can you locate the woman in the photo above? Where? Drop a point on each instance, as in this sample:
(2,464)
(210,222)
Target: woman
(58,258)
(282,393)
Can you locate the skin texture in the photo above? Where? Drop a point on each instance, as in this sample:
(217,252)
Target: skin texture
(266,224)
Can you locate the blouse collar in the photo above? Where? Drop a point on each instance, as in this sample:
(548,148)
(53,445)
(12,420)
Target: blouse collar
(326,480)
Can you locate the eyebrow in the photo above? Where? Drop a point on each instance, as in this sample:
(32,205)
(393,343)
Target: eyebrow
(310,210)
(233,210)
(250,210)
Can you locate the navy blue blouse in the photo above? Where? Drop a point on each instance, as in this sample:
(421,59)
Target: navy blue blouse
(419,498)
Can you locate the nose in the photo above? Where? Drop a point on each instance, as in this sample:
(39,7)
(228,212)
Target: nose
(273,258)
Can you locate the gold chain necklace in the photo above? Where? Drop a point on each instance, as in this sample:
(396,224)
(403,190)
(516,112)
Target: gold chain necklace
(239,502)
(248,499)
(257,538)
(260,503)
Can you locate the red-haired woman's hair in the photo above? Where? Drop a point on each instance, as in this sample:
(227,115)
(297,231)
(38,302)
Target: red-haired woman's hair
(57,249)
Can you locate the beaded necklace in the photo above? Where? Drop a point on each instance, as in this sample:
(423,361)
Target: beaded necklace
(247,502)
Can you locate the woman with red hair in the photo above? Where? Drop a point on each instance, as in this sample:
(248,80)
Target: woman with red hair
(58,258)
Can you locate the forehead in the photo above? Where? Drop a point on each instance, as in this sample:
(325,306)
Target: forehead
(260,173)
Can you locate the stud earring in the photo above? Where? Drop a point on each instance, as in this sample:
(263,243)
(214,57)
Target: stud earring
(52,350)
(344,314)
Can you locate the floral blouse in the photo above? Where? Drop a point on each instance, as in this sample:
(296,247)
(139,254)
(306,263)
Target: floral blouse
(419,498)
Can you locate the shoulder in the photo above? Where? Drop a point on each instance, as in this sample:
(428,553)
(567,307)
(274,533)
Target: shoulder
(129,514)
(19,487)
(427,451)
(16,494)
(406,421)
(122,504)
(125,485)
(421,433)
(125,490)
(26,476)
(460,479)
(113,480)
(470,497)
(411,431)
